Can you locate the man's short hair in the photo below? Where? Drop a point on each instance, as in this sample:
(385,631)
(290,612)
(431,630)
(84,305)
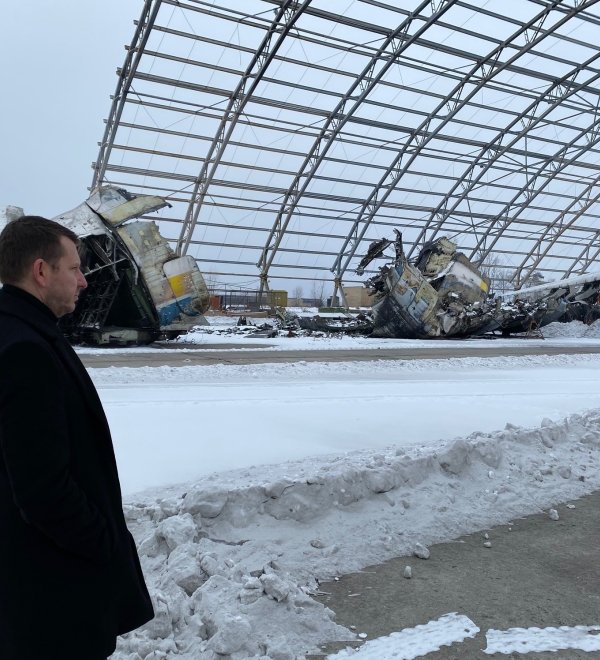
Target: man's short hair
(26,239)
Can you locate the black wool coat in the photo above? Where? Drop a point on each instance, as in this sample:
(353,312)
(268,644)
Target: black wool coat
(70,577)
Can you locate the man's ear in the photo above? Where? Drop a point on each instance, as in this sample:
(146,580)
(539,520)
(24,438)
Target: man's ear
(39,272)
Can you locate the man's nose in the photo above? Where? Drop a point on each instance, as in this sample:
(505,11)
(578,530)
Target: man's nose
(82,281)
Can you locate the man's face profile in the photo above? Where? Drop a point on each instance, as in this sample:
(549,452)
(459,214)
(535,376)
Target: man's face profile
(64,280)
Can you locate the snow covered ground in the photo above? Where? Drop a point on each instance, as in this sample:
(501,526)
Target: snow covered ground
(244,485)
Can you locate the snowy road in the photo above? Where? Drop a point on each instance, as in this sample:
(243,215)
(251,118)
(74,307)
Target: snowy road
(262,351)
(214,419)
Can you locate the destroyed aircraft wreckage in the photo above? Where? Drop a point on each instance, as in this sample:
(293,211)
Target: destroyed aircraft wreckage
(139,290)
(444,295)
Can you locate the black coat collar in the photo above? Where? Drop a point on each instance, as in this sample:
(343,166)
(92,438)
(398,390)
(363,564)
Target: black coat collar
(27,308)
(17,302)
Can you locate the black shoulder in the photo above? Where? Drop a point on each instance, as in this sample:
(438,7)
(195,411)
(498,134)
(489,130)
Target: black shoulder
(15,330)
(26,357)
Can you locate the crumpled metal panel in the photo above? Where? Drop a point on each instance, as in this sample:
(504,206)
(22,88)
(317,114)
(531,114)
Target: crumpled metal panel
(447,298)
(152,252)
(116,205)
(445,295)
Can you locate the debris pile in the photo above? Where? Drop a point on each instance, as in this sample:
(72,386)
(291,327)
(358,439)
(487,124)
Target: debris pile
(443,294)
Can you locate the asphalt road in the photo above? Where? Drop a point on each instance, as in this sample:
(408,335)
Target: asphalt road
(537,573)
(219,354)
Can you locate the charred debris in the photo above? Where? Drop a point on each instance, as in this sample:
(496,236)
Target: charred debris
(138,290)
(442,294)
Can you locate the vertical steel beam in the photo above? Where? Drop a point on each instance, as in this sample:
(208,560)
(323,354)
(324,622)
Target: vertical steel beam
(126,76)
(391,49)
(285,19)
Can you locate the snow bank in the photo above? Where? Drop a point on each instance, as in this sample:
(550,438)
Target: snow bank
(575,329)
(343,370)
(231,560)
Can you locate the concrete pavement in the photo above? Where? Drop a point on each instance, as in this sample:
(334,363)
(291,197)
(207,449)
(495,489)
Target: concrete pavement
(220,354)
(537,572)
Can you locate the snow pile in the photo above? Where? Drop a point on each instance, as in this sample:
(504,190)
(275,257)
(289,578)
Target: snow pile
(415,642)
(231,560)
(244,337)
(572,329)
(322,325)
(227,327)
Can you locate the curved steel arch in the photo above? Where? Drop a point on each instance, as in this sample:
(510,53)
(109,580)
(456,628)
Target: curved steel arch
(556,163)
(512,186)
(492,152)
(284,21)
(584,201)
(126,76)
(555,228)
(586,258)
(336,121)
(420,136)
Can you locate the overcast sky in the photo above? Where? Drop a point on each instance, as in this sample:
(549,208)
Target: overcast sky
(58,62)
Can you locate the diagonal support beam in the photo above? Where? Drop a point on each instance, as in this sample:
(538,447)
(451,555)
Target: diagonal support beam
(555,229)
(126,76)
(491,154)
(588,256)
(475,79)
(539,178)
(385,57)
(285,19)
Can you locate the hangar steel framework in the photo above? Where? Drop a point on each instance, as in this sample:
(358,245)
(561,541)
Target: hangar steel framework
(289,134)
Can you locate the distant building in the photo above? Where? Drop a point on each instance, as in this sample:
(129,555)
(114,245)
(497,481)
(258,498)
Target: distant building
(357,296)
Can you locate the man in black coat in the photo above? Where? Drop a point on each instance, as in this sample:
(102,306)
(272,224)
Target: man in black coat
(70,577)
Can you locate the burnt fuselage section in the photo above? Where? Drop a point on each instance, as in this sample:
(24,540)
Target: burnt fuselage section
(443,295)
(138,290)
